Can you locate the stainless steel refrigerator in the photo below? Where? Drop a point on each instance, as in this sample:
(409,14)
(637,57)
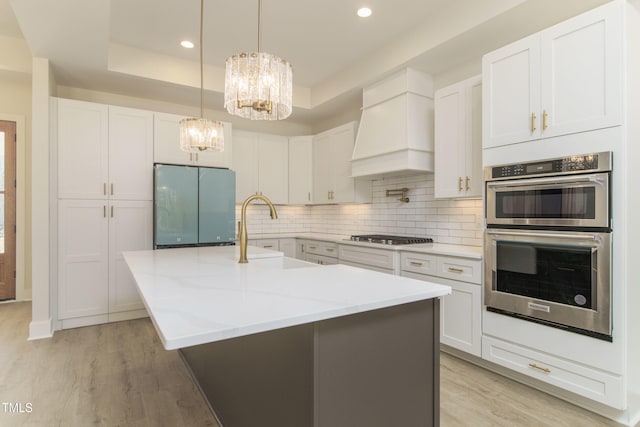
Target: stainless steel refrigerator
(193,206)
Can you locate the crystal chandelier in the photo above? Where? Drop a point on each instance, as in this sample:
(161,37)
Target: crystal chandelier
(200,134)
(258,85)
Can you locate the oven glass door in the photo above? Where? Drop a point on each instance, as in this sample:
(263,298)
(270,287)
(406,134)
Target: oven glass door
(563,278)
(578,201)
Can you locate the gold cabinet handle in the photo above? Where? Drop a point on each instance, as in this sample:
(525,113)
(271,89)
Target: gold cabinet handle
(104,211)
(330,249)
(312,247)
(267,246)
(544,120)
(415,263)
(111,211)
(112,188)
(467,181)
(309,196)
(196,157)
(533,122)
(540,368)
(456,270)
(459,183)
(302,248)
(104,188)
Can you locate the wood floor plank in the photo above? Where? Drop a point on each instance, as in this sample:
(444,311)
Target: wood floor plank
(120,375)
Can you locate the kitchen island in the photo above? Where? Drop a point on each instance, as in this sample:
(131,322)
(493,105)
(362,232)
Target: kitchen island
(282,342)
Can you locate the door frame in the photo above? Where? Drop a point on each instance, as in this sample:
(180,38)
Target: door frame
(22,293)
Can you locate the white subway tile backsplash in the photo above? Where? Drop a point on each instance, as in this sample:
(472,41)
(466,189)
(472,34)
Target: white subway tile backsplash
(446,221)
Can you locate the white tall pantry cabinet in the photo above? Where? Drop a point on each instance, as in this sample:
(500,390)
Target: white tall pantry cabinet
(105,192)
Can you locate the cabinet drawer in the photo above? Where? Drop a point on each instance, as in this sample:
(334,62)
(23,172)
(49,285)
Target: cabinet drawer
(461,269)
(320,259)
(272,244)
(380,258)
(592,383)
(328,249)
(419,263)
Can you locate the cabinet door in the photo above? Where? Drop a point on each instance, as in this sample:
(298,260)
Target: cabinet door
(582,72)
(460,318)
(166,140)
(450,135)
(473,144)
(273,167)
(83,258)
(342,139)
(300,169)
(130,229)
(288,246)
(130,154)
(460,313)
(245,163)
(322,168)
(511,93)
(83,156)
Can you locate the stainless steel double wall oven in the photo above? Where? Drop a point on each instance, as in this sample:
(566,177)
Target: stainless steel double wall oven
(548,242)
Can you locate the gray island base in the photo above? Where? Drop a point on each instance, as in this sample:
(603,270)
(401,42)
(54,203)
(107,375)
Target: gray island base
(377,368)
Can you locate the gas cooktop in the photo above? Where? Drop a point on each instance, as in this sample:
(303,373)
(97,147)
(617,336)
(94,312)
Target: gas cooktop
(390,240)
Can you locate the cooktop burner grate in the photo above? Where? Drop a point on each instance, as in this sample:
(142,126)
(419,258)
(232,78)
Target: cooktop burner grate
(390,240)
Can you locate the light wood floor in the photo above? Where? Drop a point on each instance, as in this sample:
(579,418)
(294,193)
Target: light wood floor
(120,375)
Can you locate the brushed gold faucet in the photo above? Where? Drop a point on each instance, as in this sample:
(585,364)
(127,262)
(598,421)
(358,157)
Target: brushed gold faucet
(243,223)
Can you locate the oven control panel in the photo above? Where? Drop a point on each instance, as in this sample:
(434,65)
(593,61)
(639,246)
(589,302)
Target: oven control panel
(560,166)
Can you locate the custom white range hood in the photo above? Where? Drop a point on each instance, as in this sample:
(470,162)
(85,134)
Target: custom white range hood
(395,135)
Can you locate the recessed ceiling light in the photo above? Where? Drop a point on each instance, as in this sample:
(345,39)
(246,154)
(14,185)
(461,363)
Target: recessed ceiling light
(187,44)
(364,12)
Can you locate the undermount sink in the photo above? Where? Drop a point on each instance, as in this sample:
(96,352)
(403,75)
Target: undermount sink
(282,263)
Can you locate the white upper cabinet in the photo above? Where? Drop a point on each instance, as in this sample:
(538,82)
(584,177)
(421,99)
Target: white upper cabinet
(563,80)
(167,145)
(83,149)
(130,154)
(458,140)
(104,151)
(332,181)
(261,163)
(300,170)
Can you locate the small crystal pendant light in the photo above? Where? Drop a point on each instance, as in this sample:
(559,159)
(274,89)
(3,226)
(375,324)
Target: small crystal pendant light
(200,134)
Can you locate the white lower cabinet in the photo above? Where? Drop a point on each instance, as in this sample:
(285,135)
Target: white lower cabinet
(382,260)
(288,247)
(578,378)
(461,311)
(317,252)
(94,284)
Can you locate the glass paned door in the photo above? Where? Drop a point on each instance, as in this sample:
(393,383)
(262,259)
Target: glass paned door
(7,210)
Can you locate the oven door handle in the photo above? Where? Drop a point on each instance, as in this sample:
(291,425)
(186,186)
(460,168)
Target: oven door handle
(581,236)
(599,179)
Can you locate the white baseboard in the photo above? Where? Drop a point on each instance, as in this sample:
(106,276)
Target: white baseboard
(40,330)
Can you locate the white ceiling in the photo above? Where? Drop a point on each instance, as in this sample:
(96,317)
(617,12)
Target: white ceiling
(132,47)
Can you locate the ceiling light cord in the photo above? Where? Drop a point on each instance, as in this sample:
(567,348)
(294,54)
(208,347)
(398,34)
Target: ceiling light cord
(259,25)
(201,62)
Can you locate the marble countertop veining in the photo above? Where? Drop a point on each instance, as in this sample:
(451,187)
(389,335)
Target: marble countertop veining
(200,295)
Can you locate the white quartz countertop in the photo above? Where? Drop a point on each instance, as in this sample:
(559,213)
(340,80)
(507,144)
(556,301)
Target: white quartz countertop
(474,252)
(200,295)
